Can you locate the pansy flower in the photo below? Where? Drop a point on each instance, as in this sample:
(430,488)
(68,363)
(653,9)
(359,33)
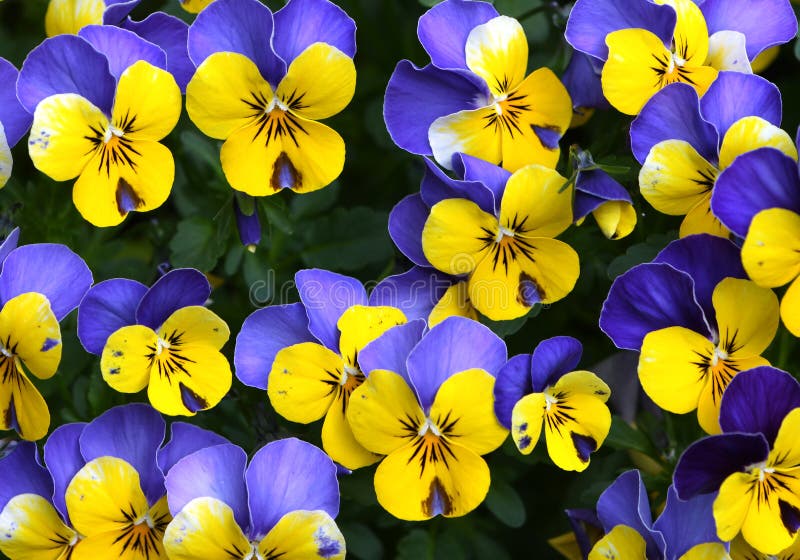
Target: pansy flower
(427,405)
(102,494)
(646,46)
(281,505)
(696,322)
(39,285)
(474,96)
(758,198)
(752,468)
(161,338)
(70,16)
(684,530)
(740,550)
(543,388)
(14,119)
(582,80)
(262,83)
(101,101)
(306,355)
(684,142)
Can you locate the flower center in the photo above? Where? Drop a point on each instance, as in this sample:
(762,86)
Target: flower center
(503,232)
(112,132)
(162,345)
(549,401)
(5,351)
(719,354)
(253,554)
(145,519)
(429,426)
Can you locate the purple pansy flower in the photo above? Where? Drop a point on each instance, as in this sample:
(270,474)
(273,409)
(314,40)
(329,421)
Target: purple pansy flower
(282,504)
(161,338)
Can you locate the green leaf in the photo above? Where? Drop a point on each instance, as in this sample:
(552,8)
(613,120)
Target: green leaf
(624,436)
(348,239)
(362,542)
(416,545)
(277,214)
(639,253)
(504,329)
(196,244)
(505,503)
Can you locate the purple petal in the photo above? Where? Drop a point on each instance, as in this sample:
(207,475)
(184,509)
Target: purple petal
(454,345)
(757,401)
(647,298)
(582,80)
(706,464)
(303,22)
(66,64)
(673,114)
(708,260)
(122,47)
(213,472)
(15,119)
(106,308)
(625,502)
(49,269)
(249,227)
(131,432)
(240,26)
(117,10)
(443,30)
(755,181)
(22,474)
(513,383)
(581,520)
(437,186)
(685,524)
(763,22)
(591,20)
(475,170)
(552,358)
(326,295)
(265,333)
(734,95)
(171,34)
(406,221)
(62,455)
(390,350)
(288,475)
(415,292)
(184,440)
(8,245)
(594,188)
(415,97)
(175,290)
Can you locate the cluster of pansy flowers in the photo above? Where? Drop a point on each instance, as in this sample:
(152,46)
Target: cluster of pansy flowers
(406,377)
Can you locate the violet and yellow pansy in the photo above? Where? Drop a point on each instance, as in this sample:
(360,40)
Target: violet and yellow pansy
(70,16)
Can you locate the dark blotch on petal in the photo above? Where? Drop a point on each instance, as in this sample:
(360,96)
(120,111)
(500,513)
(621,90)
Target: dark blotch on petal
(524,442)
(192,400)
(437,502)
(790,516)
(127,199)
(327,547)
(548,135)
(529,292)
(584,445)
(11,417)
(49,344)
(285,175)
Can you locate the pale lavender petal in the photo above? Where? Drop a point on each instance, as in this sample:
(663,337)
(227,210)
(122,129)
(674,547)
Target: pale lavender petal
(673,114)
(513,383)
(647,298)
(390,350)
(171,34)
(265,333)
(175,290)
(415,292)
(133,433)
(50,269)
(107,307)
(8,245)
(326,295)
(552,358)
(685,524)
(122,48)
(437,186)
(706,464)
(66,64)
(755,181)
(212,472)
(582,80)
(406,222)
(443,30)
(184,440)
(301,23)
(117,10)
(763,22)
(594,188)
(591,20)
(289,475)
(415,97)
(240,26)
(734,95)
(454,345)
(23,474)
(15,119)
(62,455)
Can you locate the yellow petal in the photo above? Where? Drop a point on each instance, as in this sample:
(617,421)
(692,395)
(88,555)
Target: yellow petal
(526,421)
(577,423)
(732,504)
(338,440)
(126,361)
(621,543)
(766,58)
(497,51)
(195,6)
(6,161)
(711,395)
(226,93)
(60,142)
(304,381)
(454,303)
(70,16)
(706,551)
(475,132)
(148,102)
(763,527)
(675,178)
(319,83)
(691,31)
(771,250)
(360,324)
(790,308)
(535,204)
(196,325)
(22,407)
(785,453)
(700,219)
(204,530)
(750,133)
(137,543)
(457,235)
(31,529)
(615,218)
(29,330)
(304,535)
(583,382)
(747,316)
